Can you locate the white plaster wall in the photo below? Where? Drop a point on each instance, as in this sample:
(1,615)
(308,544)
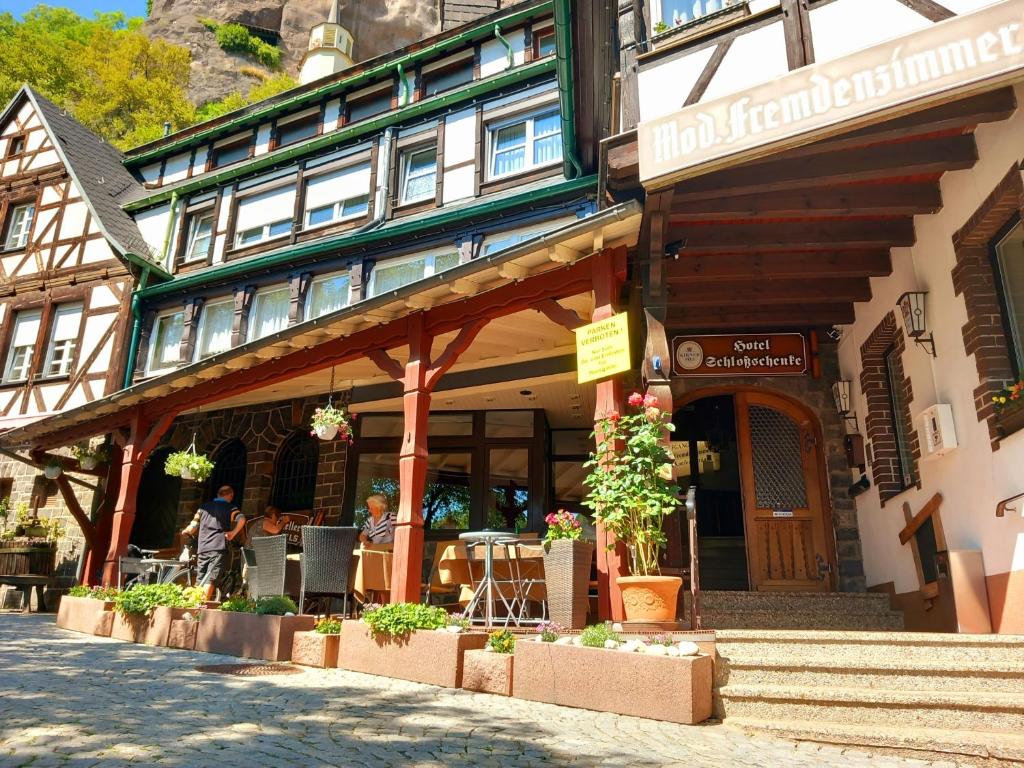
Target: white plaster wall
(846,26)
(150,172)
(460,133)
(96,251)
(152,225)
(92,335)
(664,87)
(494,55)
(754,58)
(52,194)
(263,139)
(177,167)
(972,479)
(101,296)
(199,164)
(73,224)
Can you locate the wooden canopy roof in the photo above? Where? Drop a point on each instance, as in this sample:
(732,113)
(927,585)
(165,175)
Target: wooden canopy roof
(793,240)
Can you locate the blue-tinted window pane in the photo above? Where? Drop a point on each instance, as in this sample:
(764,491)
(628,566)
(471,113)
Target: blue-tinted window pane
(280,228)
(356,206)
(321,215)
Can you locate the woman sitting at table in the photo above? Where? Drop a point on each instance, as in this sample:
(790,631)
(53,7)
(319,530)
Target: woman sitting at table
(379,527)
(272,524)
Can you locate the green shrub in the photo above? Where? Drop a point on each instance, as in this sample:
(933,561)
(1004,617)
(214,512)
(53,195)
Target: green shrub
(209,23)
(239,604)
(80,590)
(502,641)
(401,619)
(275,605)
(141,599)
(266,54)
(596,635)
(329,626)
(234,38)
(96,593)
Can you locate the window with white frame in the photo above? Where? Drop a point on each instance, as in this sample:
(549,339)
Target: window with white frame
(544,43)
(327,294)
(391,276)
(524,143)
(269,313)
(419,174)
(165,342)
(499,241)
(19,224)
(200,235)
(60,352)
(264,216)
(23,344)
(338,195)
(672,13)
(214,331)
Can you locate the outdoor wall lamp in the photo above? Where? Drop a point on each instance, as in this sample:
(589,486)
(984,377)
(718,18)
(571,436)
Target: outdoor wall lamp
(841,395)
(915,321)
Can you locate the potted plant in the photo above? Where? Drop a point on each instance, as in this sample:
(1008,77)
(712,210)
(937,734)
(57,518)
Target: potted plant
(87,609)
(29,546)
(318,648)
(256,629)
(89,457)
(189,465)
(490,670)
(1009,404)
(144,613)
(631,493)
(421,643)
(53,468)
(330,422)
(567,559)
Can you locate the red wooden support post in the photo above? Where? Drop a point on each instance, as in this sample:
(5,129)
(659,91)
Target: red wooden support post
(608,273)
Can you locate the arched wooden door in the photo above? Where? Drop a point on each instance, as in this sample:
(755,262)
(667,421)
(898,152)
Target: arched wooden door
(785,506)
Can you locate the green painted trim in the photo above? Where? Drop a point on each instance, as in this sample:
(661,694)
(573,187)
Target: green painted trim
(170,227)
(290,256)
(566,103)
(329,140)
(133,343)
(483,30)
(510,57)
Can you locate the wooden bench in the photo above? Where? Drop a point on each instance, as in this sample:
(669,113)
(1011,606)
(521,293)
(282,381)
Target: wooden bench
(25,584)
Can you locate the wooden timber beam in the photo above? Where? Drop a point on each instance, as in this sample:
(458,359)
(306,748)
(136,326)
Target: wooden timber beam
(861,200)
(740,238)
(76,511)
(769,292)
(875,163)
(812,265)
(782,316)
(560,315)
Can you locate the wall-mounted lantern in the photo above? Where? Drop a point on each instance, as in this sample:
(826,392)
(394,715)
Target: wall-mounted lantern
(915,321)
(841,395)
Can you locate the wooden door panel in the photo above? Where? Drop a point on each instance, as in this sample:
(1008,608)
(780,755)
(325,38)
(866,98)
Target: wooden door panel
(787,548)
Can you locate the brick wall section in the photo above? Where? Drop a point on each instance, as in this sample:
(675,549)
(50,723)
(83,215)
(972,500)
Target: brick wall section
(878,421)
(816,395)
(974,278)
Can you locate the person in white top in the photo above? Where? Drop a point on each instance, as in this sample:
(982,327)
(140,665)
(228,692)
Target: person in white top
(379,527)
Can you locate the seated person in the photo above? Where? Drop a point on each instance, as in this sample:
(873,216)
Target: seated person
(379,527)
(273,522)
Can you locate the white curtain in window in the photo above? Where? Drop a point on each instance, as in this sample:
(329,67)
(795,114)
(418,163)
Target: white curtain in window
(167,341)
(396,275)
(328,295)
(269,313)
(547,138)
(339,185)
(264,208)
(216,335)
(509,149)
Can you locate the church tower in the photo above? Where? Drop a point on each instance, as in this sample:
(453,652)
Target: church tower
(330,49)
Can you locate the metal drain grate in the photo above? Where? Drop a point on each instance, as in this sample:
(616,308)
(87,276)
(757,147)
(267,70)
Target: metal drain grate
(251,670)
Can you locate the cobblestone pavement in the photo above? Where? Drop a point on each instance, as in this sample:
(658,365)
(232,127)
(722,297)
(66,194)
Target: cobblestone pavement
(73,700)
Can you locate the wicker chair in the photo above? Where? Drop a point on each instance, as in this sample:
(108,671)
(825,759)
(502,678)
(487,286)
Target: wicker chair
(270,553)
(326,563)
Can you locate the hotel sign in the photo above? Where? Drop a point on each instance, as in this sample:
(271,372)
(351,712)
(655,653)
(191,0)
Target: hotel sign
(602,348)
(962,55)
(754,354)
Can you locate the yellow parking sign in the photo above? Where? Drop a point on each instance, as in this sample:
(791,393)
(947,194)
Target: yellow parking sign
(602,348)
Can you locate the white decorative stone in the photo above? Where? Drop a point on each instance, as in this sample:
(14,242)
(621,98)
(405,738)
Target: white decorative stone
(611,644)
(617,627)
(630,646)
(454,628)
(686,648)
(488,649)
(289,613)
(672,650)
(564,641)
(656,650)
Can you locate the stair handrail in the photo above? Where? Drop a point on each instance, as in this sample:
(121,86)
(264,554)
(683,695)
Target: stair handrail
(691,518)
(1004,505)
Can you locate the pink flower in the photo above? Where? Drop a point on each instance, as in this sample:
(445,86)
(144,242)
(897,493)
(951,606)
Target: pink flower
(652,413)
(636,399)
(650,401)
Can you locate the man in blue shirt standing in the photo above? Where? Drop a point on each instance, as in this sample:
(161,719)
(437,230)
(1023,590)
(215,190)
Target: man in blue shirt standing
(217,522)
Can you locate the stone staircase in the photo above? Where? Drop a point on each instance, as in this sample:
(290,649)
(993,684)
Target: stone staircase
(798,610)
(935,695)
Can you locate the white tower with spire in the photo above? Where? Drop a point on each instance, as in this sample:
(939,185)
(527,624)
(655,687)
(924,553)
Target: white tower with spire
(330,49)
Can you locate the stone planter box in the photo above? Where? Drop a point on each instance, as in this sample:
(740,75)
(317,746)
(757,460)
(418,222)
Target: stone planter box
(312,649)
(426,656)
(250,635)
(488,672)
(84,614)
(154,630)
(674,689)
(183,634)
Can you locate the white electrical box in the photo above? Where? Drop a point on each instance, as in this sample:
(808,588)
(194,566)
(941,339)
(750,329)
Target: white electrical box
(938,434)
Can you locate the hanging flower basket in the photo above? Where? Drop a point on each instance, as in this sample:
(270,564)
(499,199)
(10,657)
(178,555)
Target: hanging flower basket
(89,457)
(188,465)
(53,469)
(330,422)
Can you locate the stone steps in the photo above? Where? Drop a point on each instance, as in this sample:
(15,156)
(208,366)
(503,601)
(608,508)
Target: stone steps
(937,742)
(716,619)
(798,610)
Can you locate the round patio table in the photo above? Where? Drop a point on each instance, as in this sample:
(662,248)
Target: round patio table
(487,585)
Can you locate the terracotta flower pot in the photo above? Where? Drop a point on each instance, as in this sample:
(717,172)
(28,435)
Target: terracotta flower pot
(649,598)
(567,581)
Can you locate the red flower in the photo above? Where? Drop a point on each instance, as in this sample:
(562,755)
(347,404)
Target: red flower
(636,400)
(613,416)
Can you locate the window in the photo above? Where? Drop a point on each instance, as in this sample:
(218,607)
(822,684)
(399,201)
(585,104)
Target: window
(229,468)
(676,12)
(200,236)
(544,44)
(295,473)
(390,277)
(898,405)
(1009,261)
(368,106)
(165,342)
(233,152)
(525,144)
(60,352)
(215,328)
(445,78)
(419,175)
(326,295)
(269,313)
(23,344)
(16,145)
(338,196)
(297,130)
(19,223)
(264,216)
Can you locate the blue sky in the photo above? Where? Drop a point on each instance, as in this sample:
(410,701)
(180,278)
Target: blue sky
(82,7)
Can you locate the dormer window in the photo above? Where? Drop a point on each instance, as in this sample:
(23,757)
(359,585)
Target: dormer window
(230,153)
(368,106)
(419,175)
(524,143)
(19,224)
(298,129)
